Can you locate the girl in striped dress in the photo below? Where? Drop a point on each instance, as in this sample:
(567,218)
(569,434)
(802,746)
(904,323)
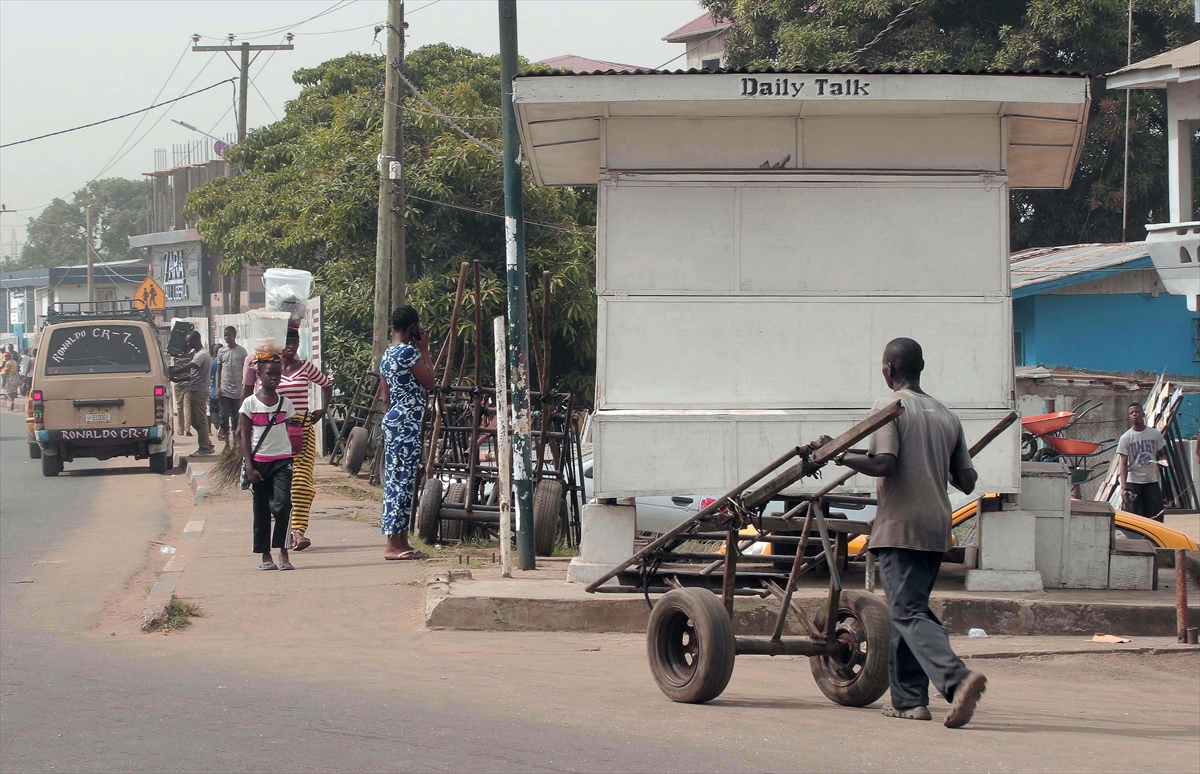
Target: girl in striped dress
(297,374)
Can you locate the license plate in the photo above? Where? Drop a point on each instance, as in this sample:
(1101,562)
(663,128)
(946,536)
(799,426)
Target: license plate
(105,417)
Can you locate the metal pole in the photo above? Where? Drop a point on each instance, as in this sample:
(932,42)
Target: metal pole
(396,29)
(518,315)
(1181,609)
(236,280)
(91,289)
(1128,93)
(389,173)
(503,450)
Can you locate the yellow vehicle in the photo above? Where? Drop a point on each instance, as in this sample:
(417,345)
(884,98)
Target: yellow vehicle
(1129,526)
(100,389)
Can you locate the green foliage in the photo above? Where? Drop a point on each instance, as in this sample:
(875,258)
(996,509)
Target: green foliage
(308,194)
(58,235)
(1080,35)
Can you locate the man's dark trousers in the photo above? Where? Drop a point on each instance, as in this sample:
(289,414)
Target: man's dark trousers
(920,644)
(1144,499)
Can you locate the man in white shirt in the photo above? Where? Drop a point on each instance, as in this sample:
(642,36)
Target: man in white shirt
(1138,453)
(26,370)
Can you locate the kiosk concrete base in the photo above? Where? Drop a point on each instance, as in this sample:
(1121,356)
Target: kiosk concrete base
(1004,580)
(606,541)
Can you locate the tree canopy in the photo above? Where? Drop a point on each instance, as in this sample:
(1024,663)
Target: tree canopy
(58,235)
(1078,35)
(307,197)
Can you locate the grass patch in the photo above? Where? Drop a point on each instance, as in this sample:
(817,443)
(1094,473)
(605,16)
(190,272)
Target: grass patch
(562,549)
(179,615)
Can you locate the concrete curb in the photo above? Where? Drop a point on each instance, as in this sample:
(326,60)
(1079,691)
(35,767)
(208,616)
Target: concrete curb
(158,605)
(1149,651)
(198,479)
(629,614)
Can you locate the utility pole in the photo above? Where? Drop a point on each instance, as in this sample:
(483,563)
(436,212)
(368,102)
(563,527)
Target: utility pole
(389,228)
(235,281)
(399,260)
(91,288)
(518,316)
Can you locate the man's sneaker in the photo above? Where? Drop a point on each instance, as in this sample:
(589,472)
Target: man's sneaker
(966,697)
(915,713)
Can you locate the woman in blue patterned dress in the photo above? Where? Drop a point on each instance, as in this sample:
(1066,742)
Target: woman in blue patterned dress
(407,374)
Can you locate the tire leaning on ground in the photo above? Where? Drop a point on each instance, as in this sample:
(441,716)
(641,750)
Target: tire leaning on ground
(35,451)
(52,465)
(859,675)
(160,462)
(690,645)
(427,511)
(356,450)
(452,529)
(547,515)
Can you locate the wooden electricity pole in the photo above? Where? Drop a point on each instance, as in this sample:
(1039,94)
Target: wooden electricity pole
(389,234)
(235,281)
(91,288)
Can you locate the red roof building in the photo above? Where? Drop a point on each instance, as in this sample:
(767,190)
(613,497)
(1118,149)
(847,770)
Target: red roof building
(582,64)
(704,37)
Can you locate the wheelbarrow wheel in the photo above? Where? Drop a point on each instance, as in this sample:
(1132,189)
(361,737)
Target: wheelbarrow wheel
(690,644)
(858,675)
(356,450)
(428,509)
(452,529)
(547,510)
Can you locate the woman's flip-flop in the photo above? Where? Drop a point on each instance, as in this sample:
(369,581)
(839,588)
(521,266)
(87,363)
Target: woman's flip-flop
(410,556)
(267,566)
(286,566)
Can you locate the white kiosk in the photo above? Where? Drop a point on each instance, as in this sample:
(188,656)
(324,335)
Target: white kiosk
(761,236)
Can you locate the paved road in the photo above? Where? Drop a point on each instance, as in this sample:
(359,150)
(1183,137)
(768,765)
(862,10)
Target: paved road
(67,704)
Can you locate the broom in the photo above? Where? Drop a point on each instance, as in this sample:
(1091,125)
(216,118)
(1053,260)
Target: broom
(227,471)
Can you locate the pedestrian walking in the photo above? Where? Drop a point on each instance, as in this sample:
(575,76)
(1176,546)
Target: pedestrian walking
(407,373)
(197,373)
(913,458)
(25,370)
(297,375)
(180,388)
(267,454)
(11,380)
(1138,452)
(214,408)
(230,363)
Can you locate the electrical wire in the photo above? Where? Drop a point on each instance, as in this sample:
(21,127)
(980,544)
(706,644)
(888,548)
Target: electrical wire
(439,115)
(114,118)
(575,230)
(348,29)
(138,125)
(417,93)
(257,34)
(422,8)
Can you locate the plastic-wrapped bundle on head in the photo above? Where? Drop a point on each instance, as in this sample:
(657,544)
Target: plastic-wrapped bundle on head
(287,290)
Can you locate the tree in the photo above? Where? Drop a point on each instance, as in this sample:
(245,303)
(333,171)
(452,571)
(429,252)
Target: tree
(306,199)
(58,235)
(1076,35)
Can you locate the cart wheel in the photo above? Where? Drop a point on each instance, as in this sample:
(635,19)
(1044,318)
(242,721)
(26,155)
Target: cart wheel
(859,675)
(1029,446)
(547,508)
(690,645)
(452,529)
(427,510)
(356,450)
(35,451)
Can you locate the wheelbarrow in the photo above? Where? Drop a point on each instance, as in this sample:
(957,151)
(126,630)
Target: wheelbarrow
(1075,454)
(1036,429)
(690,640)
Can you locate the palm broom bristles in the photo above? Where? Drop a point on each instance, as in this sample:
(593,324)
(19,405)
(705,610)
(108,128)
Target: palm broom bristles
(227,471)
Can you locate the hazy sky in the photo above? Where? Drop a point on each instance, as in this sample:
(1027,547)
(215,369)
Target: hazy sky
(68,63)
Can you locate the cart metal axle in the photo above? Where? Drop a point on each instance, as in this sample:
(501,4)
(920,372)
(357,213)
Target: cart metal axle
(789,646)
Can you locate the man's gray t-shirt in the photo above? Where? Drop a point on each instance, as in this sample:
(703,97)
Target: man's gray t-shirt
(233,360)
(1140,449)
(203,374)
(928,442)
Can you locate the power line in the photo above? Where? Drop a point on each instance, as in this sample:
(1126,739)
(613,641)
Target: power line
(115,118)
(256,34)
(576,230)
(439,115)
(417,93)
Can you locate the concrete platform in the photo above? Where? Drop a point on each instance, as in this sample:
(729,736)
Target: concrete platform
(542,600)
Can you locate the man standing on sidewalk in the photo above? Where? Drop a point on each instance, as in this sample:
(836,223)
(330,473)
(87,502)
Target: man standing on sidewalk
(913,457)
(230,363)
(1137,468)
(198,372)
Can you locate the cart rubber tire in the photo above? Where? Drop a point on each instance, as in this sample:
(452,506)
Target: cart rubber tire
(51,465)
(160,462)
(35,451)
(428,509)
(452,529)
(690,645)
(547,515)
(865,625)
(356,450)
